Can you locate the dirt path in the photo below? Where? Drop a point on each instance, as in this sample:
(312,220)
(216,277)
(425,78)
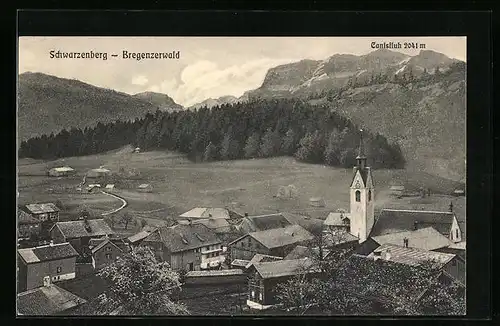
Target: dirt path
(124,203)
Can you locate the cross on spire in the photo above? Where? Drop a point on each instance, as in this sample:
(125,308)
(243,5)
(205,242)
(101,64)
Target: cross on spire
(361,158)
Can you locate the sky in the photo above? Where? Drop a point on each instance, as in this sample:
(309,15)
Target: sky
(207,67)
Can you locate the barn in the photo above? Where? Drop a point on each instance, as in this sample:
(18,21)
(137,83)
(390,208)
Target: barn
(96,173)
(62,171)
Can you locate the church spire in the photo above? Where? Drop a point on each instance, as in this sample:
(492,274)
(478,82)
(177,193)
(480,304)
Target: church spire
(361,158)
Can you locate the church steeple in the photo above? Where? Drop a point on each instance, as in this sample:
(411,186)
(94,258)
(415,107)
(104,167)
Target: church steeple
(361,158)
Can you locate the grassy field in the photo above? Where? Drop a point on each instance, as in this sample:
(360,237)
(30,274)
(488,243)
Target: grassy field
(245,185)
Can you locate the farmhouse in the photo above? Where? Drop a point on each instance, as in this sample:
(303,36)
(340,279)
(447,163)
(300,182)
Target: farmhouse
(145,187)
(264,277)
(104,253)
(47,300)
(137,238)
(63,171)
(97,173)
(78,233)
(56,261)
(186,247)
(109,187)
(273,242)
(43,212)
(451,264)
(399,220)
(427,239)
(211,212)
(27,226)
(380,281)
(335,221)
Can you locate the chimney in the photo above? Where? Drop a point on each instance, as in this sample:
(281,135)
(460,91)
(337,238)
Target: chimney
(46,281)
(246,214)
(210,216)
(451,207)
(405,241)
(415,225)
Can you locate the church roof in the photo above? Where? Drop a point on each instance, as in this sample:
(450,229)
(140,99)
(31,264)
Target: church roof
(426,238)
(399,220)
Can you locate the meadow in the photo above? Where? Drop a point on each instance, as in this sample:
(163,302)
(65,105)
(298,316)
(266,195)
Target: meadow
(247,186)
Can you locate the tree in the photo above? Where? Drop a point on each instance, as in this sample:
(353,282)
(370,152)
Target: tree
(111,220)
(270,144)
(333,151)
(251,148)
(229,147)
(311,148)
(210,153)
(289,144)
(140,285)
(126,219)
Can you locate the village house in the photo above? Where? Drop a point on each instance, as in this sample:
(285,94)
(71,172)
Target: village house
(63,171)
(43,212)
(136,239)
(274,242)
(380,282)
(186,247)
(278,220)
(145,187)
(400,220)
(451,264)
(56,261)
(104,252)
(265,276)
(204,213)
(79,232)
(27,226)
(47,300)
(245,265)
(426,238)
(98,173)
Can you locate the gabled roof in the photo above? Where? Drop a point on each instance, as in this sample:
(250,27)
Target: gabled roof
(458,245)
(183,237)
(261,258)
(48,252)
(398,220)
(413,256)
(46,300)
(25,218)
(76,229)
(281,268)
(275,238)
(264,222)
(381,280)
(62,169)
(42,208)
(333,239)
(426,238)
(363,173)
(336,219)
(205,212)
(213,223)
(240,262)
(103,244)
(144,185)
(139,236)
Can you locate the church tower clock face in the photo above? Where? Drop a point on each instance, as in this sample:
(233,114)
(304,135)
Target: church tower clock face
(357,185)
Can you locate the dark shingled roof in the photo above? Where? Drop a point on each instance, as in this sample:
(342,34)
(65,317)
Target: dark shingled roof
(48,252)
(47,300)
(381,280)
(76,229)
(395,220)
(183,237)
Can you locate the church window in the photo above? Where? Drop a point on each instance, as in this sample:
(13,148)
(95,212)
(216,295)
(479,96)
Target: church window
(358,195)
(369,195)
(456,234)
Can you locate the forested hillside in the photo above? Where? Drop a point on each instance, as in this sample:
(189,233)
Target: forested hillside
(262,128)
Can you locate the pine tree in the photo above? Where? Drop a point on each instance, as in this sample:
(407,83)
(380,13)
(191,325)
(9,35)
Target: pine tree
(210,153)
(252,145)
(270,143)
(289,144)
(332,151)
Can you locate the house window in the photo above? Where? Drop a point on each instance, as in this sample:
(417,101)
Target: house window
(369,195)
(59,269)
(108,249)
(358,195)
(108,256)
